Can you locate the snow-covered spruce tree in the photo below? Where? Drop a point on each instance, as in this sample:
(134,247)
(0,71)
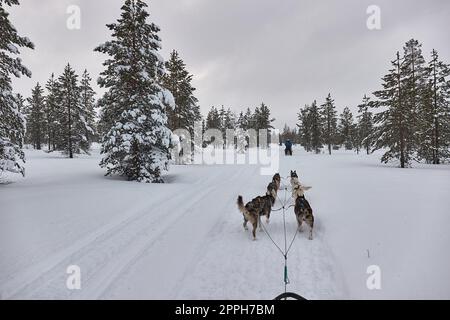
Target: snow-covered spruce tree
(52,114)
(247,118)
(414,81)
(346,129)
(187,111)
(263,120)
(36,122)
(365,124)
(88,108)
(72,134)
(315,121)
(12,122)
(229,122)
(137,142)
(21,107)
(328,112)
(304,128)
(178,81)
(394,129)
(213,119)
(240,132)
(434,118)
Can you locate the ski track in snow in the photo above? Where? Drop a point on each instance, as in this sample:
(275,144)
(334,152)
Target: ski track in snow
(102,255)
(187,243)
(185,240)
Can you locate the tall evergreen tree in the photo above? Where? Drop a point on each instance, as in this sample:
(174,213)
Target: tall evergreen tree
(36,124)
(138,139)
(262,117)
(365,124)
(394,127)
(414,82)
(88,107)
(434,126)
(178,81)
(304,128)
(12,121)
(346,129)
(248,116)
(328,112)
(213,120)
(263,120)
(72,132)
(316,124)
(52,114)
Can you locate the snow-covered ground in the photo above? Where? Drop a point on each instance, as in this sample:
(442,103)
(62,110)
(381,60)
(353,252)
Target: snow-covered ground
(184,239)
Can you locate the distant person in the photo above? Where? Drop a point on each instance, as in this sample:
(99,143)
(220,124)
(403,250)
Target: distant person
(288,147)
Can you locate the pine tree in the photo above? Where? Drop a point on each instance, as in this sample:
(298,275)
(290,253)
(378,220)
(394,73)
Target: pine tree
(138,139)
(263,120)
(394,128)
(240,133)
(178,81)
(88,107)
(304,128)
(12,121)
(21,103)
(414,80)
(365,124)
(36,124)
(248,116)
(328,112)
(213,120)
(315,124)
(52,114)
(346,129)
(435,111)
(72,134)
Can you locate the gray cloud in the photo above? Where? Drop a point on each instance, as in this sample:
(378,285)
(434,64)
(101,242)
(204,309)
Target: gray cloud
(285,53)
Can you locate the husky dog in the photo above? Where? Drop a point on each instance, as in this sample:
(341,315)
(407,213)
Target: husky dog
(297,188)
(272,190)
(277,180)
(303,212)
(302,209)
(253,210)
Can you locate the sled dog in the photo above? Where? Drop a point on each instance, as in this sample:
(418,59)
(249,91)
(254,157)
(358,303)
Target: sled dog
(302,209)
(297,188)
(277,180)
(253,210)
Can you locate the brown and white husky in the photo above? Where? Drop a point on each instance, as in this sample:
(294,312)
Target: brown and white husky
(253,210)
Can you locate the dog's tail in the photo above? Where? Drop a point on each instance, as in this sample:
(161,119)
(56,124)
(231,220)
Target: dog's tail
(241,206)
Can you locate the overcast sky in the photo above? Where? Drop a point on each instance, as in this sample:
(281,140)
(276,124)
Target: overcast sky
(242,52)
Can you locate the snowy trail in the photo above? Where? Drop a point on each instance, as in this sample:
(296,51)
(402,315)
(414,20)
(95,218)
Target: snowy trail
(185,240)
(103,254)
(234,267)
(179,240)
(219,259)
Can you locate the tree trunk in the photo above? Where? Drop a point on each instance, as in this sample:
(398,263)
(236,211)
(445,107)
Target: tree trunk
(436,120)
(402,142)
(70,127)
(329,134)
